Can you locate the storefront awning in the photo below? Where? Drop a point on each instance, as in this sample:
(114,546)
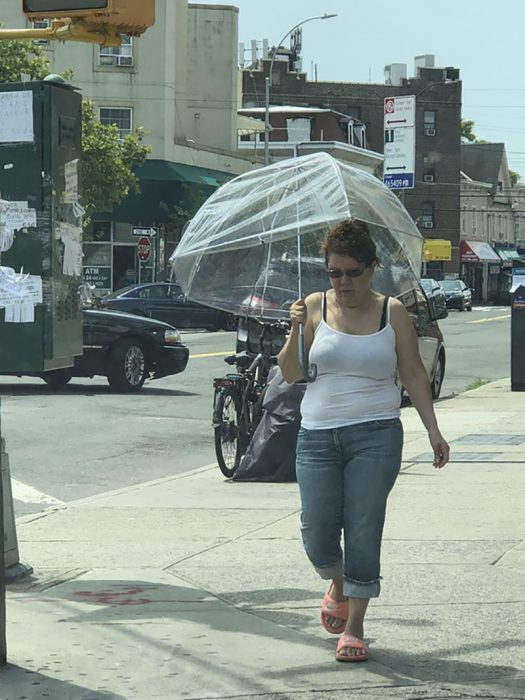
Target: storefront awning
(508,254)
(166,171)
(437,249)
(477,251)
(249,125)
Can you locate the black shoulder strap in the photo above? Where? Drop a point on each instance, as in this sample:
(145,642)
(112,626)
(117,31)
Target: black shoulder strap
(324,307)
(383,315)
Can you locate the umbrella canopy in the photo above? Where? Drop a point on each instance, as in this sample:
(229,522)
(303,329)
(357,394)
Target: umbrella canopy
(240,251)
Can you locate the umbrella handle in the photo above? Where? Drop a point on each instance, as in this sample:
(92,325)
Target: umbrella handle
(309,374)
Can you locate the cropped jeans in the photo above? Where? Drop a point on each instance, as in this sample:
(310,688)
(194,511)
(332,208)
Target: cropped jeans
(344,476)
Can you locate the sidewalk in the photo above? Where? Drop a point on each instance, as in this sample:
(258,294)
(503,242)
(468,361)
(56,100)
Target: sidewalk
(193,587)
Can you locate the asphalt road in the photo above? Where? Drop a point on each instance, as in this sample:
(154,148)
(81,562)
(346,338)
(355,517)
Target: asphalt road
(86,439)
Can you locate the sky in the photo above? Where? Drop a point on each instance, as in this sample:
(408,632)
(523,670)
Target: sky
(483,38)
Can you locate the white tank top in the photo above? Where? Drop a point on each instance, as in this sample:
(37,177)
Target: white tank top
(355,377)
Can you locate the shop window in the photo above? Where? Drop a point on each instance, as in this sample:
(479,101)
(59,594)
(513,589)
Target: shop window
(120,116)
(102,231)
(429,122)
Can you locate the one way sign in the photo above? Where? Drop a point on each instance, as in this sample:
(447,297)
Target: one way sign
(148,231)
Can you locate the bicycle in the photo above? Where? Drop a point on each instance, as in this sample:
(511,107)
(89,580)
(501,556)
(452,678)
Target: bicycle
(238,399)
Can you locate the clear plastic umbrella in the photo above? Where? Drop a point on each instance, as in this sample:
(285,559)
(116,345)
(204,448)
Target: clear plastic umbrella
(253,246)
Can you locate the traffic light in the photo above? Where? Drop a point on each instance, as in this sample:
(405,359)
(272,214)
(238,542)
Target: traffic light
(131,17)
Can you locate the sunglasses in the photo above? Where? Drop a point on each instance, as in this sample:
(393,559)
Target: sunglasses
(335,273)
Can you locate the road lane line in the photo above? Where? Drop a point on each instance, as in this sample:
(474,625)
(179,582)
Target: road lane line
(212,354)
(27,494)
(486,320)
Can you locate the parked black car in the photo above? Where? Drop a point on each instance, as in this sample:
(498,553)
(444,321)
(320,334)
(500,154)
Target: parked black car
(166,302)
(436,296)
(124,348)
(457,294)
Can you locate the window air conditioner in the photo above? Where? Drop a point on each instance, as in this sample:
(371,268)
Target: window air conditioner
(125,61)
(428,224)
(430,132)
(428,178)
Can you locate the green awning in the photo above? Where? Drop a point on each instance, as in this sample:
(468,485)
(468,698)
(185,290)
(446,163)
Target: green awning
(509,254)
(165,171)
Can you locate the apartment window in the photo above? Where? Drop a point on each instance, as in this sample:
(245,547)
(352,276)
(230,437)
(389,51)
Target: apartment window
(120,56)
(427,215)
(41,24)
(429,122)
(121,116)
(429,170)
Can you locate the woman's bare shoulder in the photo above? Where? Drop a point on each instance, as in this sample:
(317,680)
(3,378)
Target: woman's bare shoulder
(313,299)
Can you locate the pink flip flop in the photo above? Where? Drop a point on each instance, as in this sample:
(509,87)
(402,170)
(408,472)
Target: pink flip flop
(336,609)
(347,641)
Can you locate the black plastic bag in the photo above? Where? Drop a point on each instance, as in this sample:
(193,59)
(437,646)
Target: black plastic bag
(271,453)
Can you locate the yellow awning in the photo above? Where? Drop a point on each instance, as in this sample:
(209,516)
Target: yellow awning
(437,249)
(249,125)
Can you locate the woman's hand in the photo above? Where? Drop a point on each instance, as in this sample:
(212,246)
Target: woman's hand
(298,313)
(440,447)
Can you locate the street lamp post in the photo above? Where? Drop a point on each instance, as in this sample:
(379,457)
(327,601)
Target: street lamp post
(268,82)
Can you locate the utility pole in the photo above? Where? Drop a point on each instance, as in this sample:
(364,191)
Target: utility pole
(268,84)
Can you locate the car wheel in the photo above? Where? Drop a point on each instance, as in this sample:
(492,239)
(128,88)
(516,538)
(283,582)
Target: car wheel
(57,379)
(127,366)
(439,374)
(229,322)
(469,308)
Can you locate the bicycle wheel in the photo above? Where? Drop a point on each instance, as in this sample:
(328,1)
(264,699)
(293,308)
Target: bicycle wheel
(227,431)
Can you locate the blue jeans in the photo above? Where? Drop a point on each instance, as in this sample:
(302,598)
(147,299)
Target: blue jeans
(345,476)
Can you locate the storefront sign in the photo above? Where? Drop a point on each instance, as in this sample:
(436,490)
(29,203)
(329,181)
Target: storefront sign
(99,277)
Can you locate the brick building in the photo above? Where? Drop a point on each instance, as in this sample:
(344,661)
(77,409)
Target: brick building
(434,203)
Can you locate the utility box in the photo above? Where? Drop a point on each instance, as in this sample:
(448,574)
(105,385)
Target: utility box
(40,226)
(517,340)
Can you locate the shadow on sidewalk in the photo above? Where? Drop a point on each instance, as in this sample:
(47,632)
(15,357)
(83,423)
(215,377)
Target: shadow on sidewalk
(18,682)
(137,601)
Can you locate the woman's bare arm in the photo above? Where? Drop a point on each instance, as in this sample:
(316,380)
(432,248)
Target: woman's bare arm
(415,380)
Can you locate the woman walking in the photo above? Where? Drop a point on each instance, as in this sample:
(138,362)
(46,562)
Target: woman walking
(351,438)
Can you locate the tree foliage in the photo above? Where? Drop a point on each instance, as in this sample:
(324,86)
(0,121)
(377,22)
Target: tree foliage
(107,163)
(18,58)
(515,178)
(467,131)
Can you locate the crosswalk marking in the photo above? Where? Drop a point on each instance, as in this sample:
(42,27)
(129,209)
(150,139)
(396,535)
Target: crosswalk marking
(27,494)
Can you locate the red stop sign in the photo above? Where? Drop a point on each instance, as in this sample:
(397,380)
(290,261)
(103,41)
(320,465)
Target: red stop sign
(144,249)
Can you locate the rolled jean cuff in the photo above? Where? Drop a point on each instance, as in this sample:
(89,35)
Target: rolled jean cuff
(361,589)
(331,571)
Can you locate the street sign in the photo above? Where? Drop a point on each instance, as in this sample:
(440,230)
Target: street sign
(400,111)
(149,231)
(400,142)
(143,249)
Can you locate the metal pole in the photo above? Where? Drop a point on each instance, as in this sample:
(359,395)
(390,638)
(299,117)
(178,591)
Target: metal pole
(267,118)
(268,82)
(3,641)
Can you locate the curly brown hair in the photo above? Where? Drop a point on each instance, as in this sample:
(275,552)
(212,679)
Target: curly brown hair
(351,237)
